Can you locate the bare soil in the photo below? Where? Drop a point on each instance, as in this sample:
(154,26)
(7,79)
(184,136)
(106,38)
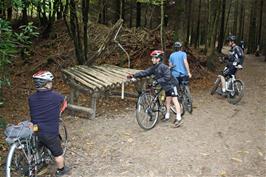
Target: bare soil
(218,139)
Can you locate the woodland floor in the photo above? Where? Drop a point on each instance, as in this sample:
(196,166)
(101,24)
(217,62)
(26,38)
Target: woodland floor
(218,139)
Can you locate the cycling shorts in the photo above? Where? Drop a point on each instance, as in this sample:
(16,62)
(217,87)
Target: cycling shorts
(230,70)
(53,143)
(172,92)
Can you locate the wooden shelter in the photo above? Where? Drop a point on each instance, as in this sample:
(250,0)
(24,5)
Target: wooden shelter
(94,81)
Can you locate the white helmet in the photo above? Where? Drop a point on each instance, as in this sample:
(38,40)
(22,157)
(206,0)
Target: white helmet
(41,78)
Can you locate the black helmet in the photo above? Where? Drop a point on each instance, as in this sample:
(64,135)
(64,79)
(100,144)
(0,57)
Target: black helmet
(178,44)
(231,38)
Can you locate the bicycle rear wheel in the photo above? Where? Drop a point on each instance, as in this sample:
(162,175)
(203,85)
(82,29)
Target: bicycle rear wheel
(17,163)
(187,98)
(147,111)
(63,135)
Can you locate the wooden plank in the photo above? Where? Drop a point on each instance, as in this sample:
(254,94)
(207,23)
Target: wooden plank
(97,86)
(80,108)
(106,72)
(78,79)
(92,77)
(100,76)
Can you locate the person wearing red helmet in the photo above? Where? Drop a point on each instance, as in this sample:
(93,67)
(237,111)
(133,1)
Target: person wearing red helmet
(164,77)
(45,105)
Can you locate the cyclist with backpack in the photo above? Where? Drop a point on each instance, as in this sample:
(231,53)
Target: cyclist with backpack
(167,82)
(45,105)
(235,60)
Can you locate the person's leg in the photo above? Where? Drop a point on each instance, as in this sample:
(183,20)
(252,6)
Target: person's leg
(223,83)
(167,104)
(60,161)
(177,107)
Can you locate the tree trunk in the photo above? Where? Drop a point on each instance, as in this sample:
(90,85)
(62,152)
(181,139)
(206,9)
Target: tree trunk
(138,15)
(188,6)
(221,35)
(196,44)
(131,14)
(235,18)
(85,15)
(162,26)
(252,29)
(259,42)
(241,21)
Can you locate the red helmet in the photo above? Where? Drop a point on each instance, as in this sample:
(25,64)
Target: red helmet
(157,54)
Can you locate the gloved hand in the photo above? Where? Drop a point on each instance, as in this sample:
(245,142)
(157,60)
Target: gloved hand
(129,76)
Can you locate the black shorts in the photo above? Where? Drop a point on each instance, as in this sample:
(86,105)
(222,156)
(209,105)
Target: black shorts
(172,92)
(53,143)
(230,70)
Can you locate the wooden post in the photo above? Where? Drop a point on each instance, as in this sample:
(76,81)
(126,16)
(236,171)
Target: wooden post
(93,104)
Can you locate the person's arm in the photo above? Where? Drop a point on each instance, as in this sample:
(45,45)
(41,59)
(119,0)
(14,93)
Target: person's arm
(187,67)
(146,72)
(170,63)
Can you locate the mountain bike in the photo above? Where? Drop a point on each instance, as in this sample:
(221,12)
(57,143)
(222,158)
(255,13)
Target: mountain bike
(234,87)
(26,157)
(150,104)
(184,93)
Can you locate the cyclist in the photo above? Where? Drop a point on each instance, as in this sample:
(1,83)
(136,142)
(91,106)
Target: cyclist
(178,62)
(235,60)
(45,107)
(167,82)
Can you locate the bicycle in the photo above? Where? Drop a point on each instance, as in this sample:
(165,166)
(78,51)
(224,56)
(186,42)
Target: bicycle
(26,158)
(150,104)
(184,93)
(234,87)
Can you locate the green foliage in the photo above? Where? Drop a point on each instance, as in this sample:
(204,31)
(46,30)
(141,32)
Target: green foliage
(10,42)
(7,49)
(24,38)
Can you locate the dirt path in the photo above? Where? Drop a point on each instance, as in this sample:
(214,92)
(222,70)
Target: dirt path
(218,139)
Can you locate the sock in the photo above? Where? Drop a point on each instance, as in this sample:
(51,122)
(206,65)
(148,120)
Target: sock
(223,89)
(167,115)
(178,116)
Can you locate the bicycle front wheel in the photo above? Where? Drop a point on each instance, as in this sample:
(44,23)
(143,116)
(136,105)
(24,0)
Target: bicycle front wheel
(235,96)
(17,163)
(63,135)
(147,111)
(216,85)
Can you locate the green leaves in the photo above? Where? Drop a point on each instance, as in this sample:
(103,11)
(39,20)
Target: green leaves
(10,44)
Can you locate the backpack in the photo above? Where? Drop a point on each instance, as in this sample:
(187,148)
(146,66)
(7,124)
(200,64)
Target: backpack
(20,131)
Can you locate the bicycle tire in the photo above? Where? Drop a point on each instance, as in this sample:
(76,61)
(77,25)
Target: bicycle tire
(216,85)
(16,163)
(63,135)
(187,98)
(147,112)
(238,94)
